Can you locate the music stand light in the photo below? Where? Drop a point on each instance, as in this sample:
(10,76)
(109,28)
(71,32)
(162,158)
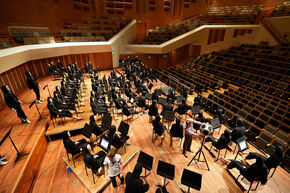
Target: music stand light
(191,179)
(165,170)
(146,161)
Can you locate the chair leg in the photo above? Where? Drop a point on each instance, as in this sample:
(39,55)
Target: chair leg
(250,187)
(210,147)
(274,172)
(226,152)
(218,155)
(235,149)
(257,185)
(86,170)
(73,160)
(93,177)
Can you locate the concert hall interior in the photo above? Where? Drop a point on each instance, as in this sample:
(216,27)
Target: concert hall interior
(135,96)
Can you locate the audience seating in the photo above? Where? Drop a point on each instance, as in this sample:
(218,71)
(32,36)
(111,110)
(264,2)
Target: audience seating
(281,10)
(257,90)
(216,15)
(30,35)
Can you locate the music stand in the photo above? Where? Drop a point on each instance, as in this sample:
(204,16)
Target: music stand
(198,153)
(165,170)
(46,86)
(148,96)
(169,116)
(242,145)
(195,110)
(215,123)
(34,103)
(159,92)
(191,179)
(146,161)
(19,154)
(161,100)
(179,99)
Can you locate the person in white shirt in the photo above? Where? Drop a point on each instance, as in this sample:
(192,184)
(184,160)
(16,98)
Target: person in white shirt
(113,167)
(189,133)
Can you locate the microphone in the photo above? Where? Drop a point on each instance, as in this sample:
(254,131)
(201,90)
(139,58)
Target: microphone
(32,103)
(45,86)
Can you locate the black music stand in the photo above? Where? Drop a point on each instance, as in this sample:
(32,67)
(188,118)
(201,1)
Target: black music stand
(242,145)
(191,179)
(46,86)
(195,110)
(179,99)
(198,153)
(19,154)
(215,123)
(34,103)
(169,116)
(161,101)
(159,92)
(146,162)
(165,170)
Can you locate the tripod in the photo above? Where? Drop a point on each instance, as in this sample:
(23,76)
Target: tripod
(198,153)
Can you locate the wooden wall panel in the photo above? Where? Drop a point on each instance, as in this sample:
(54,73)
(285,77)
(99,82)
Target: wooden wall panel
(16,79)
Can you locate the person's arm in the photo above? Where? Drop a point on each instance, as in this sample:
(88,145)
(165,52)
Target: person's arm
(121,169)
(194,122)
(106,172)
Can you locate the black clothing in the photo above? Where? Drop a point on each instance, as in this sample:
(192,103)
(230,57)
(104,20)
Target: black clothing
(134,184)
(32,84)
(158,126)
(238,131)
(256,171)
(177,129)
(153,110)
(114,182)
(12,102)
(55,112)
(222,142)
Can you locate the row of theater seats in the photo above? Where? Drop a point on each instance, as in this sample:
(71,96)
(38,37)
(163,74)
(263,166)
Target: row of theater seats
(94,29)
(266,138)
(282,10)
(217,15)
(258,92)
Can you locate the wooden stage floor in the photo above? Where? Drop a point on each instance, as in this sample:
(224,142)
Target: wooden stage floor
(52,174)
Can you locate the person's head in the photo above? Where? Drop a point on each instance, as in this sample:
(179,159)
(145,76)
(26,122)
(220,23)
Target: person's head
(183,101)
(66,135)
(279,150)
(178,120)
(200,114)
(111,154)
(49,100)
(28,75)
(5,89)
(188,123)
(227,133)
(154,102)
(55,94)
(137,170)
(240,122)
(92,119)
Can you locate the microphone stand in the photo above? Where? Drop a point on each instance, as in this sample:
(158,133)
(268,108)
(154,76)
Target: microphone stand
(34,103)
(46,86)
